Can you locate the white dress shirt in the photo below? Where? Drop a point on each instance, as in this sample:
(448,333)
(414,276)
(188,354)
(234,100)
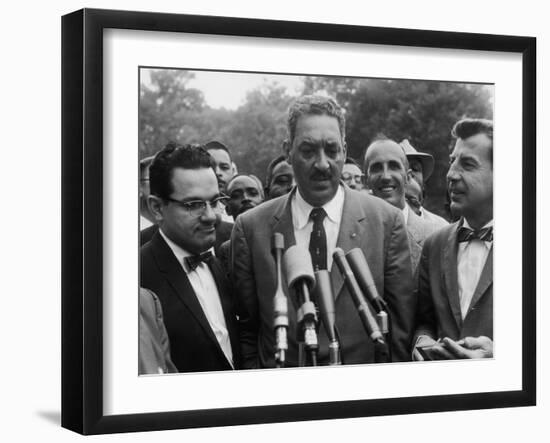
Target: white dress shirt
(471,259)
(144,223)
(205,288)
(303,225)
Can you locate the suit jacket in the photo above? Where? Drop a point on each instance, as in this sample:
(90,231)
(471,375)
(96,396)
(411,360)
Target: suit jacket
(154,345)
(438,313)
(223,233)
(367,222)
(434,219)
(418,231)
(194,346)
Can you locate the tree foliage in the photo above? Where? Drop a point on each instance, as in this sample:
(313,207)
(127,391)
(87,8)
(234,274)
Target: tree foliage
(421,111)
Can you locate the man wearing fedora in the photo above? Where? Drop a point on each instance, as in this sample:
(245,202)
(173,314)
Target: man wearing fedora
(421,166)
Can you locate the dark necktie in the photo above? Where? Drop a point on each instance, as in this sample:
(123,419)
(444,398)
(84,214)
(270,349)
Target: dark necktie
(194,260)
(467,234)
(318,239)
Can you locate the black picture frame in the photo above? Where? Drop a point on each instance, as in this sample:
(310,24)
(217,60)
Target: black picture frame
(82,230)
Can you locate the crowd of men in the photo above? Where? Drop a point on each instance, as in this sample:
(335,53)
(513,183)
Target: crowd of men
(208,274)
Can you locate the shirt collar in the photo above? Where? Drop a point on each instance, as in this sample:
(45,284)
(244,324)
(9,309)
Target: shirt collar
(333,208)
(178,251)
(467,225)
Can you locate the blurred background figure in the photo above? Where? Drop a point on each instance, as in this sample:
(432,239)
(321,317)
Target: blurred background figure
(421,167)
(154,344)
(352,175)
(224,166)
(279,178)
(146,219)
(245,192)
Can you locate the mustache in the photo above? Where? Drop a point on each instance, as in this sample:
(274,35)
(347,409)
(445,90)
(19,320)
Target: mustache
(321,175)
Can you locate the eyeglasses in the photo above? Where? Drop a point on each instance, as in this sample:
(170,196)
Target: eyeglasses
(197,207)
(346,176)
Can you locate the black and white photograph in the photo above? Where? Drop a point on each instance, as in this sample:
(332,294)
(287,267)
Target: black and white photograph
(292,221)
(288,221)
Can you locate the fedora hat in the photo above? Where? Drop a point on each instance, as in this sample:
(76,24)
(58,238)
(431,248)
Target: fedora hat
(426,159)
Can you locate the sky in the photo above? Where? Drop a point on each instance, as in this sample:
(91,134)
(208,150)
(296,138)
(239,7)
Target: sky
(228,89)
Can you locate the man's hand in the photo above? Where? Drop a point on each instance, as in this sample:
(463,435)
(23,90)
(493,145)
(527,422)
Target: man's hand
(470,347)
(428,349)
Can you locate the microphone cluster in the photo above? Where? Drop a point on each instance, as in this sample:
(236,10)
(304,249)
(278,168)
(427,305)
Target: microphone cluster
(307,286)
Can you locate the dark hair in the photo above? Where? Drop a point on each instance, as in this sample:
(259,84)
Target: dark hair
(271,167)
(215,144)
(472,126)
(172,156)
(469,127)
(315,105)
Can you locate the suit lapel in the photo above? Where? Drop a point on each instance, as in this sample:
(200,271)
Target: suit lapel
(350,236)
(226,299)
(451,274)
(173,272)
(282,220)
(485,280)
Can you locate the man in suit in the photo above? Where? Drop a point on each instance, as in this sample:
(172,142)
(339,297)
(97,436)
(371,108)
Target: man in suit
(177,264)
(387,174)
(455,286)
(316,150)
(421,166)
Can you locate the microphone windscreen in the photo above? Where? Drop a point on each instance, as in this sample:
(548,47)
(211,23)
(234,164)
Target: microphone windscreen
(278,241)
(325,300)
(361,270)
(297,266)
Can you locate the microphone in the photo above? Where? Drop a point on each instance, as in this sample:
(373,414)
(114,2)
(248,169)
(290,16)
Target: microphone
(361,271)
(300,278)
(325,299)
(280,304)
(367,318)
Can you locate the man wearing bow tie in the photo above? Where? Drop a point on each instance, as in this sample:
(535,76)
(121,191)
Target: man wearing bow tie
(317,216)
(455,286)
(178,266)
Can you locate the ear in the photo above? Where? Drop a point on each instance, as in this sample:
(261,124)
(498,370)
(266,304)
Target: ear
(235,170)
(156,207)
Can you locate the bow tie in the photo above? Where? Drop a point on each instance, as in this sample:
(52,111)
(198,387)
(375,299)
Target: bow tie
(467,234)
(194,260)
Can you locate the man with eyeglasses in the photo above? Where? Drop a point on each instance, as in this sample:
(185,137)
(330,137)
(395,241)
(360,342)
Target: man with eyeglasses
(178,265)
(352,175)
